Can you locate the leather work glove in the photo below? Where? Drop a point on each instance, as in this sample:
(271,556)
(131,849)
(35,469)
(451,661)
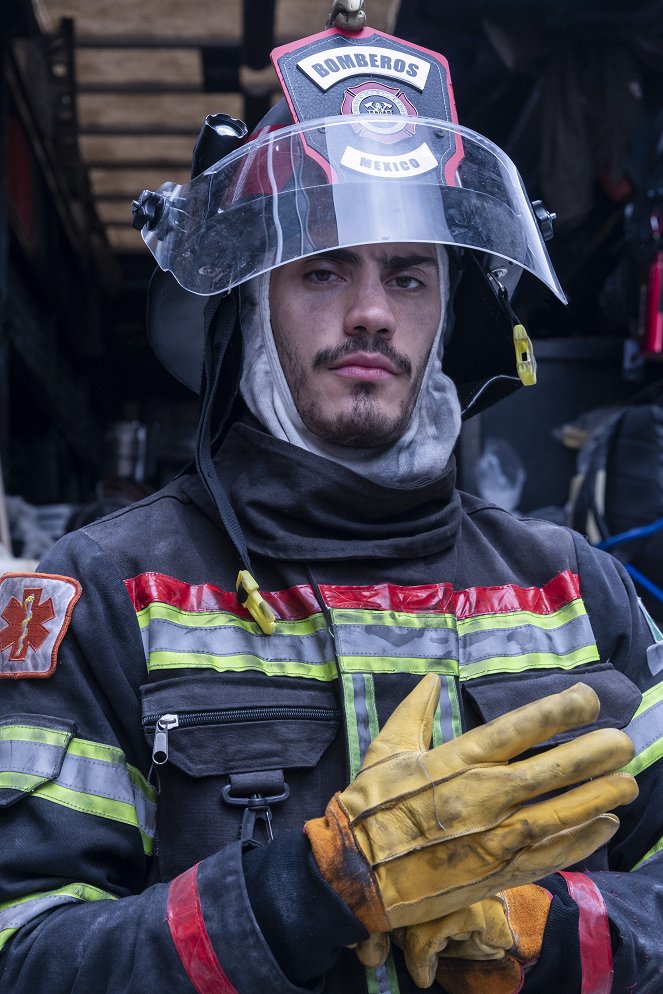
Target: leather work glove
(421,833)
(524,915)
(499,935)
(480,931)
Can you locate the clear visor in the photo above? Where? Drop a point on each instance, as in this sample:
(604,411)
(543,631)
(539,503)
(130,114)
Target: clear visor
(344,181)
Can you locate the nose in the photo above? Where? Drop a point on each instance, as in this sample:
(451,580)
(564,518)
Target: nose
(369,308)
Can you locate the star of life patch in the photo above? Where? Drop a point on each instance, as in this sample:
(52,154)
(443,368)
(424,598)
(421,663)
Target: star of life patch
(35,612)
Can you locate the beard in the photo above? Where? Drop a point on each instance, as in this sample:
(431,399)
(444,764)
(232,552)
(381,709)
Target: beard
(365,424)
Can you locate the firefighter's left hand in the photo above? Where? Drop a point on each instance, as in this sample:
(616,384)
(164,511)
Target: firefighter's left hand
(482,949)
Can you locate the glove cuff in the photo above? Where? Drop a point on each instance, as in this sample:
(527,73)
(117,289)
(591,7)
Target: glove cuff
(345,867)
(461,976)
(527,909)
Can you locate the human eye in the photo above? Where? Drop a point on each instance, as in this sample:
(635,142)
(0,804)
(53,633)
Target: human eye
(406,281)
(321,275)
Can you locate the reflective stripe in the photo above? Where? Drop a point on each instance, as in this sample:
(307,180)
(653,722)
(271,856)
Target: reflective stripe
(362,727)
(15,914)
(648,855)
(229,640)
(384,979)
(33,733)
(594,934)
(385,628)
(447,723)
(237,664)
(191,938)
(152,588)
(441,598)
(300,601)
(646,731)
(93,778)
(26,765)
(362,716)
(167,614)
(472,654)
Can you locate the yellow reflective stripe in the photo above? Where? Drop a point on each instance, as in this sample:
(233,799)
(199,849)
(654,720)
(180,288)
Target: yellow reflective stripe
(237,664)
(651,753)
(19,781)
(18,912)
(397,664)
(33,733)
(402,619)
(354,751)
(530,661)
(652,852)
(91,804)
(483,622)
(222,619)
(518,619)
(94,778)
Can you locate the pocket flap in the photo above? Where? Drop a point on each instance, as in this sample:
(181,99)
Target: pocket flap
(619,697)
(240,723)
(32,751)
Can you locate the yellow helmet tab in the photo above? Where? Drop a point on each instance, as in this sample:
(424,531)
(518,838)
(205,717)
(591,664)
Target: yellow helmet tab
(250,597)
(525,361)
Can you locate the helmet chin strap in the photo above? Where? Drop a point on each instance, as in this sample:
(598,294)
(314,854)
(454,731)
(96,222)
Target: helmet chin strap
(219,328)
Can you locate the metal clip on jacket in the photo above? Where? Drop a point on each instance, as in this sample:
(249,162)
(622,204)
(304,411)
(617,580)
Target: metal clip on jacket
(256,807)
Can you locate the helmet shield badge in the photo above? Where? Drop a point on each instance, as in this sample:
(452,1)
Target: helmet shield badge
(375,155)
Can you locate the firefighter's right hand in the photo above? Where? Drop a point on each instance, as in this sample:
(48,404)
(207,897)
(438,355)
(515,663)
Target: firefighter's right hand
(422,832)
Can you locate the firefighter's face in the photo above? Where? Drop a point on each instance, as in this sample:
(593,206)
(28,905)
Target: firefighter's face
(353,329)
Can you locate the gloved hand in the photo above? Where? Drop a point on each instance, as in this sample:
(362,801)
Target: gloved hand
(500,935)
(461,967)
(478,932)
(419,834)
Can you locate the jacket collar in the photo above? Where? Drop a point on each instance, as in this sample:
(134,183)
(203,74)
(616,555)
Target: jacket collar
(295,505)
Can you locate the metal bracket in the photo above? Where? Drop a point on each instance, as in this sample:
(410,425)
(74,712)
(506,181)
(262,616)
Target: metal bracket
(347,14)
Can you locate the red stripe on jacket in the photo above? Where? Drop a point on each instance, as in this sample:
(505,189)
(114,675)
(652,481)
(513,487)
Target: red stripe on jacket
(296,603)
(594,934)
(192,942)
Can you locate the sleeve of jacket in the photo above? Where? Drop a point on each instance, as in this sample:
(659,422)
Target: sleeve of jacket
(604,929)
(77,912)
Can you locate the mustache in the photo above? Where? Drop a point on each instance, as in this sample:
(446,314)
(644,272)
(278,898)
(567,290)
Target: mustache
(363,343)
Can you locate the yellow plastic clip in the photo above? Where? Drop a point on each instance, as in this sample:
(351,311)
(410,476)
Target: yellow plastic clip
(249,595)
(525,361)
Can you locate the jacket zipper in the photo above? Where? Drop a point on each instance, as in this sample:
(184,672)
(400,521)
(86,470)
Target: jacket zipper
(164,723)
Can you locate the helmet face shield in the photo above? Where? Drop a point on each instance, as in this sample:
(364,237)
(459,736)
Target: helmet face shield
(342,181)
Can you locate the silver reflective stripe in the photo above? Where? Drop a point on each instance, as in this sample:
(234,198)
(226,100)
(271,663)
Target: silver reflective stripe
(647,728)
(23,913)
(382,977)
(472,647)
(110,780)
(38,759)
(81,774)
(361,711)
(446,711)
(527,639)
(229,640)
(397,640)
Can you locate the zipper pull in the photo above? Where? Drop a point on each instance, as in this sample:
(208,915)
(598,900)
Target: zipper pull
(160,748)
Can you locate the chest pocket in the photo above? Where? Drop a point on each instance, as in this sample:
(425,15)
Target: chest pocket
(238,756)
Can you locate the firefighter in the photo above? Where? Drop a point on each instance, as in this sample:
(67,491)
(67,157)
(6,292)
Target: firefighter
(309,716)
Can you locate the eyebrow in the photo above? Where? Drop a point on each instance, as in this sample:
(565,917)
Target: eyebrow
(388,261)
